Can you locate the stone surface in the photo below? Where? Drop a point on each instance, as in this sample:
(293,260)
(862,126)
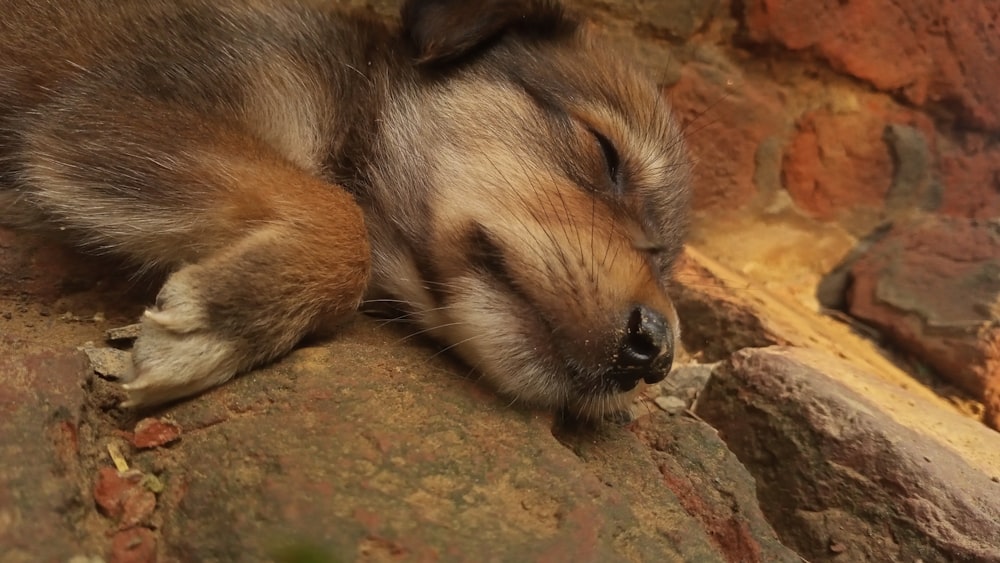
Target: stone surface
(678,18)
(136,545)
(971,175)
(155,432)
(831,157)
(361,447)
(940,53)
(123,333)
(685,382)
(932,285)
(863,153)
(842,478)
(43,499)
(726,116)
(713,486)
(109,362)
(366,448)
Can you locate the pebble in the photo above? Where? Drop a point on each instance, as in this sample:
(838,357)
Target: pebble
(672,405)
(124,333)
(109,362)
(155,432)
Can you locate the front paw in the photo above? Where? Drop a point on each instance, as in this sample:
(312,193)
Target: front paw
(178,354)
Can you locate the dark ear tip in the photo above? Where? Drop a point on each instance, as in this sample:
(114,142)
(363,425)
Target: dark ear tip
(442,31)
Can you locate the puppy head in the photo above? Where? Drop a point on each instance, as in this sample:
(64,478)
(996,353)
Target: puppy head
(542,191)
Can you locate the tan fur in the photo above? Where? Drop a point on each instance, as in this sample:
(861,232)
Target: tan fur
(499,173)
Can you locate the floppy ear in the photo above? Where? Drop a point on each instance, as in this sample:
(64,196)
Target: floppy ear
(443,31)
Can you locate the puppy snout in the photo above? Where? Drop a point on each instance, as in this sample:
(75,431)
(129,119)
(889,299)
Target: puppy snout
(646,351)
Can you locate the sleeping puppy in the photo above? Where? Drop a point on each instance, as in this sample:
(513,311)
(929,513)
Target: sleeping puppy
(495,169)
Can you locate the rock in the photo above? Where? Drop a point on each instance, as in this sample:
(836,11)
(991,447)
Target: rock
(685,383)
(914,186)
(109,363)
(656,57)
(866,153)
(832,290)
(831,157)
(40,475)
(971,178)
(678,18)
(123,497)
(726,116)
(715,321)
(111,489)
(720,316)
(991,400)
(671,405)
(135,545)
(153,433)
(932,53)
(932,285)
(905,482)
(124,333)
(713,486)
(371,449)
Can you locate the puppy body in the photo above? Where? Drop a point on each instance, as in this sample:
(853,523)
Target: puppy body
(516,188)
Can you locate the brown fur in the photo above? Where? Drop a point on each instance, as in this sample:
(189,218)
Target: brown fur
(509,182)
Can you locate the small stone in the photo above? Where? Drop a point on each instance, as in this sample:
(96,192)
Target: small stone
(124,497)
(686,382)
(7,315)
(124,333)
(137,545)
(137,507)
(672,405)
(112,489)
(109,362)
(837,547)
(154,432)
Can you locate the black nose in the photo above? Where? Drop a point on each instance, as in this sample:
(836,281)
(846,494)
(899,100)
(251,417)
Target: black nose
(646,351)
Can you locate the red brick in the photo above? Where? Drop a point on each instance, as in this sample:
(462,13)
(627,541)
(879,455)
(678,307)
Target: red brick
(724,126)
(931,52)
(971,177)
(836,162)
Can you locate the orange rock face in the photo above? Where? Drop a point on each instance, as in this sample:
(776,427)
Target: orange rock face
(933,53)
(933,286)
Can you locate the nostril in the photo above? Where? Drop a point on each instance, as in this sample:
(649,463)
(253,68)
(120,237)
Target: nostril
(646,350)
(646,332)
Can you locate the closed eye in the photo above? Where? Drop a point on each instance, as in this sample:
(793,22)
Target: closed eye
(652,248)
(612,160)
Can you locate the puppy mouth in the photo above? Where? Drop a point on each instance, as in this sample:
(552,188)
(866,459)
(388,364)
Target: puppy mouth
(618,380)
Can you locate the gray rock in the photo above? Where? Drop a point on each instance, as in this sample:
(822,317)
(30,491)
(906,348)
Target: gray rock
(109,363)
(842,479)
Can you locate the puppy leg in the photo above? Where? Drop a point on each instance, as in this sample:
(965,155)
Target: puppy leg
(253,300)
(262,252)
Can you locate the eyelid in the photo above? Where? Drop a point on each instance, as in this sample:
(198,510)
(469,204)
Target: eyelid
(611,157)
